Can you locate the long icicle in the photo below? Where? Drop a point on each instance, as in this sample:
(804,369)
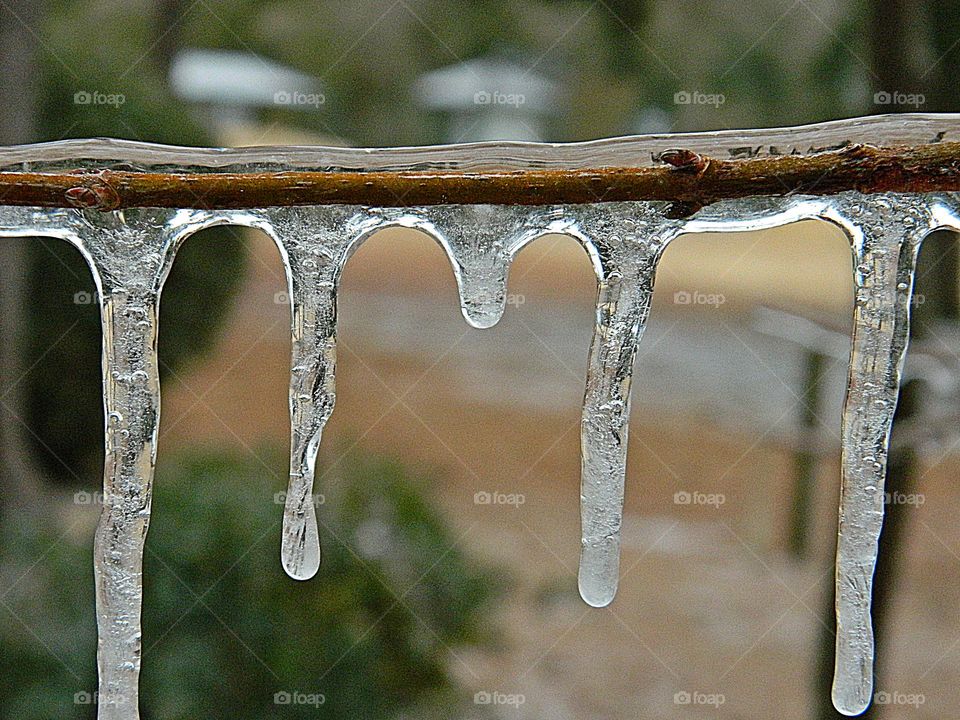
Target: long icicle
(130,256)
(886,233)
(629,240)
(131,405)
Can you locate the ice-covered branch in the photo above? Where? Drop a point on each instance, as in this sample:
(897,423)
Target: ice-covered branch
(682,176)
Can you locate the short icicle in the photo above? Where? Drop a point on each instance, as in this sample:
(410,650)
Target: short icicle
(629,239)
(315,242)
(886,231)
(477,240)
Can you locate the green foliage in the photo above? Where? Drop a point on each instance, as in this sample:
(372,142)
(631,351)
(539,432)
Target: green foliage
(225,630)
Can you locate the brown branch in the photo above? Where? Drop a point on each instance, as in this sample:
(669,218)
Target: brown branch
(685,178)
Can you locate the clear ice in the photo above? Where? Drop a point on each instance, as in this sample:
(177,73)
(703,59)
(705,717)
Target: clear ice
(130,253)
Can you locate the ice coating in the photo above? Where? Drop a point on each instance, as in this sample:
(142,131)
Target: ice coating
(130,253)
(633,151)
(886,232)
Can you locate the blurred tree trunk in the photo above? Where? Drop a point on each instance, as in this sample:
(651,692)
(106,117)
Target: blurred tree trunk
(19,92)
(621,21)
(168,18)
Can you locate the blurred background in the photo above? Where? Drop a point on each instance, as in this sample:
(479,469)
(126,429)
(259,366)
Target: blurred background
(448,486)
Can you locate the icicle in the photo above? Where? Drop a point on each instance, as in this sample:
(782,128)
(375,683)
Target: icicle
(628,239)
(315,243)
(886,232)
(477,240)
(131,252)
(624,241)
(130,258)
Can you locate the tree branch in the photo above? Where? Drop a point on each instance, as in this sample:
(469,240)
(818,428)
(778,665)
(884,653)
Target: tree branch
(683,177)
